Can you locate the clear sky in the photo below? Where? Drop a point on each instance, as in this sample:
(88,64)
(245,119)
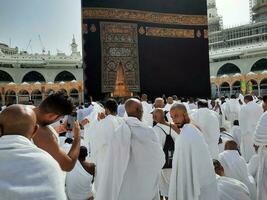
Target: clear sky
(234,12)
(57,20)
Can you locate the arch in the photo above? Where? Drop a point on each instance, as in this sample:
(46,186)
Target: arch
(63,91)
(10,97)
(260,65)
(252,87)
(225,89)
(5,77)
(214,90)
(228,68)
(236,87)
(33,76)
(263,87)
(36,96)
(23,97)
(64,76)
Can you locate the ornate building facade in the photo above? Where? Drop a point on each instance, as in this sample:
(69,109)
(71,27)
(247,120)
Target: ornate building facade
(238,55)
(25,76)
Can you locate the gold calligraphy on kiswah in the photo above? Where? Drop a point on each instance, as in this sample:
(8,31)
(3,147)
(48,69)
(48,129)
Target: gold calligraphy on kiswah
(170,32)
(143,16)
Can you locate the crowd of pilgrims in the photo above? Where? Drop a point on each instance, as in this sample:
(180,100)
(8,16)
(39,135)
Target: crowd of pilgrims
(176,149)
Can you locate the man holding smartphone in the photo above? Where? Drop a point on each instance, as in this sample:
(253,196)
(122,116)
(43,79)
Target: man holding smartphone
(54,107)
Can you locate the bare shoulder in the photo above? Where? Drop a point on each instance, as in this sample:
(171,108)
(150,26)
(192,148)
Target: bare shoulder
(45,139)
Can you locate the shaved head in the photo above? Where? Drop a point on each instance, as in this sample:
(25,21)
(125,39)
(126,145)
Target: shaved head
(179,114)
(134,108)
(179,106)
(159,102)
(158,115)
(230,145)
(18,120)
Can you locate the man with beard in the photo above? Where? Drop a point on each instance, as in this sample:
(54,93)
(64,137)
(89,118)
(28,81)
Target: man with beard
(54,107)
(193,176)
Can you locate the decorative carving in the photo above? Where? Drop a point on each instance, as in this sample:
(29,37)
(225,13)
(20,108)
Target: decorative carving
(143,16)
(85,28)
(119,45)
(121,89)
(141,30)
(198,33)
(92,28)
(169,32)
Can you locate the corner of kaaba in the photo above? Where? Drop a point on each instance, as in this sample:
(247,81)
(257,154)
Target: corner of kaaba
(145,46)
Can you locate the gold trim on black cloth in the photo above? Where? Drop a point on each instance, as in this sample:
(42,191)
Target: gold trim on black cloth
(170,32)
(144,16)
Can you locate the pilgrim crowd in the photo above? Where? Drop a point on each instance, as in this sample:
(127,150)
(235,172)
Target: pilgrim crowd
(169,149)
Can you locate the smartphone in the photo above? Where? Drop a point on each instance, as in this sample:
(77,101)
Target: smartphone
(71,119)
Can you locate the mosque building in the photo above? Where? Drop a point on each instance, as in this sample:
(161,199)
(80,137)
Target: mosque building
(238,55)
(25,76)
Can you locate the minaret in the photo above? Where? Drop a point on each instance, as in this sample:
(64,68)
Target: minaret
(259,10)
(214,20)
(74,46)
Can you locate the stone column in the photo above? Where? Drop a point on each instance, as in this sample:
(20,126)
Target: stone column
(259,89)
(3,99)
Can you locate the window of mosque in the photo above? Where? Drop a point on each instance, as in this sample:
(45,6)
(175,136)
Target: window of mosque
(65,76)
(5,77)
(228,68)
(260,65)
(33,76)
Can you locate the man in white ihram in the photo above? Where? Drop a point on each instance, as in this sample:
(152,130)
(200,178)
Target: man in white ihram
(232,109)
(134,160)
(235,167)
(260,140)
(193,176)
(26,172)
(208,123)
(163,129)
(103,133)
(248,118)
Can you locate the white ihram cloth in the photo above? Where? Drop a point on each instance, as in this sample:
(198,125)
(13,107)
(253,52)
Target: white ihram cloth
(168,106)
(132,165)
(193,176)
(103,134)
(79,183)
(147,116)
(260,139)
(248,118)
(253,166)
(165,173)
(235,167)
(232,189)
(208,123)
(231,110)
(89,128)
(235,131)
(27,172)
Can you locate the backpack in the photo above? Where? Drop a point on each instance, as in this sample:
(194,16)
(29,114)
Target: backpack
(168,149)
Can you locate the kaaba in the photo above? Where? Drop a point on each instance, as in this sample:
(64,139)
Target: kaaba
(145,46)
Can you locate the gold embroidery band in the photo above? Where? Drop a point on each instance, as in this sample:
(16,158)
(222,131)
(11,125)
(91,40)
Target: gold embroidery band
(170,32)
(144,16)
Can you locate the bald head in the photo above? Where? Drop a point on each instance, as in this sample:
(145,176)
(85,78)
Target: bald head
(18,120)
(134,108)
(159,102)
(179,114)
(179,106)
(144,97)
(158,115)
(230,145)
